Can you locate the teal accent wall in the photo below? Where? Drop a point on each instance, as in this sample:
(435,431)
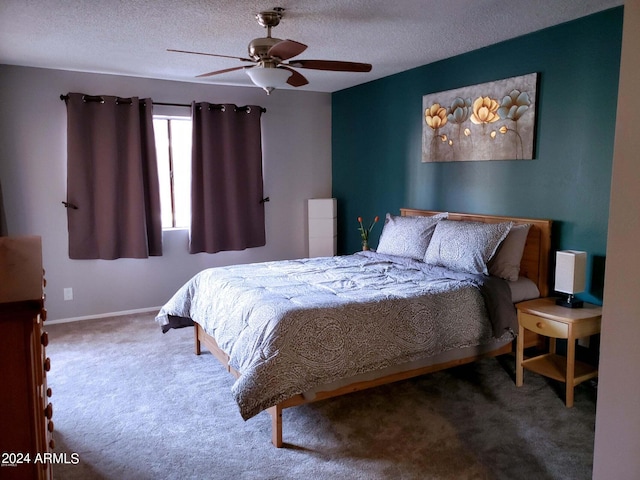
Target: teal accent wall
(377,129)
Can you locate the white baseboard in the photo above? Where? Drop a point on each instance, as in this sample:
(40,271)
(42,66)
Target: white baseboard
(104,315)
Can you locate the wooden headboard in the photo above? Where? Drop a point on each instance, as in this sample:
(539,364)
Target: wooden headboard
(537,249)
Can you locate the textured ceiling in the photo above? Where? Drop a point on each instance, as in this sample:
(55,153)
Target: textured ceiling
(130,37)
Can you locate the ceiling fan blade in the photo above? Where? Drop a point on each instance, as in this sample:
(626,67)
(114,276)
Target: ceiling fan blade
(210,54)
(332,65)
(287,49)
(218,72)
(296,79)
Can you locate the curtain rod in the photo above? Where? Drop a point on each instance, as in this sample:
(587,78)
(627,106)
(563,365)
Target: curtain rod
(186,105)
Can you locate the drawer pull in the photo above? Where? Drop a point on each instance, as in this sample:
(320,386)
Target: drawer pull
(47,364)
(48,411)
(52,444)
(49,392)
(50,426)
(539,324)
(44,339)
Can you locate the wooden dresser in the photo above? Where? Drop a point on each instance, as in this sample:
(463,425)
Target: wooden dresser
(26,427)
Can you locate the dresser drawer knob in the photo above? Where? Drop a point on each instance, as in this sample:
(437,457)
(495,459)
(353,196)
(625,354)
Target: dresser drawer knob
(44,339)
(48,411)
(52,444)
(50,426)
(47,364)
(49,392)
(539,324)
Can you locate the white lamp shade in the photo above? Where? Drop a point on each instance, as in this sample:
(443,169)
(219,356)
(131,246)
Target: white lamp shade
(268,78)
(571,271)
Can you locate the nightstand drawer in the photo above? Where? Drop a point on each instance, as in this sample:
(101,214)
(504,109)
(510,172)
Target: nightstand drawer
(543,326)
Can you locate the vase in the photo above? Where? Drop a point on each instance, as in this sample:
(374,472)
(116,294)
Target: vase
(365,245)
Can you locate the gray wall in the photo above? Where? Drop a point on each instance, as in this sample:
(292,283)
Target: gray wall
(617,442)
(297,166)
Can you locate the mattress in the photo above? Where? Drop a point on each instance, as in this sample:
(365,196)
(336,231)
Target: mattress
(293,326)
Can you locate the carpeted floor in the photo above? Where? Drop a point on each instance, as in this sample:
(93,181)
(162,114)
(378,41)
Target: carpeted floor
(136,404)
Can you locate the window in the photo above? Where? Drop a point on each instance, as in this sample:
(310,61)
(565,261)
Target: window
(173,147)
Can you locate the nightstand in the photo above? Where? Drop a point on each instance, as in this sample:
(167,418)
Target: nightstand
(544,317)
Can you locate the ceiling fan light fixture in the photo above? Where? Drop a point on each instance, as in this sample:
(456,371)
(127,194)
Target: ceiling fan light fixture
(268,78)
(270,56)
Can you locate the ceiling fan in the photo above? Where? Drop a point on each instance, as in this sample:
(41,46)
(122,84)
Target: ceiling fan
(271,57)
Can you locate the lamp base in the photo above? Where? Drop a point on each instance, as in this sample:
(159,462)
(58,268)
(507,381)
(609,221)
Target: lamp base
(569,302)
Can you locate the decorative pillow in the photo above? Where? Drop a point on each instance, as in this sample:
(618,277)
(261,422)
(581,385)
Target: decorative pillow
(506,262)
(465,246)
(523,289)
(407,236)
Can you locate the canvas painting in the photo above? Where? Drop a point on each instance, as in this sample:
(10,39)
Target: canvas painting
(488,121)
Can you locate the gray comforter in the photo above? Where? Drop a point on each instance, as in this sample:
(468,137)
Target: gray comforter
(290,325)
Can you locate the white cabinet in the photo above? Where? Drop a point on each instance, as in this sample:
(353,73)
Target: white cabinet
(323,224)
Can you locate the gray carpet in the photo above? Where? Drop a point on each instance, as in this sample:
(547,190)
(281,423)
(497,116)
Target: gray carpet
(137,404)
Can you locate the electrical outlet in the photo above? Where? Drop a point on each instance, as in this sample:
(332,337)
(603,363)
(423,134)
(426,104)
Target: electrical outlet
(68,293)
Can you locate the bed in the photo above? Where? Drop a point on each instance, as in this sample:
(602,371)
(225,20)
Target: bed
(297,331)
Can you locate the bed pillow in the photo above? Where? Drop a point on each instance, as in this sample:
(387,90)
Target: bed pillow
(523,289)
(407,236)
(465,246)
(506,262)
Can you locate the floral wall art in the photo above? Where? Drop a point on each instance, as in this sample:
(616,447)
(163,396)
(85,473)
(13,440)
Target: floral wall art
(488,121)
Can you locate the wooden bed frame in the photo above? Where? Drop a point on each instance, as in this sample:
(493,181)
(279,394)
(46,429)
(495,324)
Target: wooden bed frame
(534,265)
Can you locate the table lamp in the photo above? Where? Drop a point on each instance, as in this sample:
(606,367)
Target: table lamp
(571,268)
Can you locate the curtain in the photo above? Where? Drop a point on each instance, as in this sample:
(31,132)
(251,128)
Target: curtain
(113,195)
(227,206)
